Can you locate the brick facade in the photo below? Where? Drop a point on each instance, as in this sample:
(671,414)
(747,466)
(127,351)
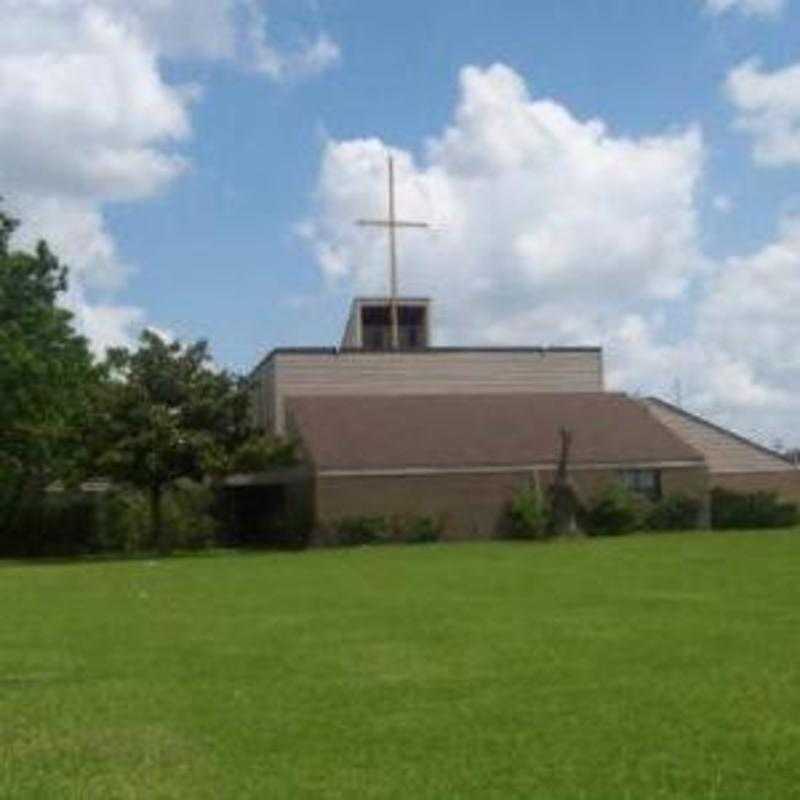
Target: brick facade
(473,505)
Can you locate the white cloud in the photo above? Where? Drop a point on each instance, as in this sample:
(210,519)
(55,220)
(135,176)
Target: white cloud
(553,230)
(755,8)
(85,118)
(310,58)
(768,106)
(527,201)
(88,118)
(106,325)
(741,361)
(751,309)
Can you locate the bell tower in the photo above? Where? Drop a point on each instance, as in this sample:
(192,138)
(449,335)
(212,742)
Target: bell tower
(391,323)
(370,325)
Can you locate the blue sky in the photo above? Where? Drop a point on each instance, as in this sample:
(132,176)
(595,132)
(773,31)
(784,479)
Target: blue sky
(237,125)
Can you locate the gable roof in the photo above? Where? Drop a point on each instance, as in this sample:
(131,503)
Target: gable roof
(724,450)
(462,431)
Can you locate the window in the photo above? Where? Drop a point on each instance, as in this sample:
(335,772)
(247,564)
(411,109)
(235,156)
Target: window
(646,482)
(375,337)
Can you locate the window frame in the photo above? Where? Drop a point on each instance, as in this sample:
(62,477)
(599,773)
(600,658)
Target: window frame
(644,481)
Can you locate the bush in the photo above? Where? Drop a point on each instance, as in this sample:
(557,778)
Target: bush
(124,519)
(61,524)
(54,524)
(675,512)
(358,530)
(400,528)
(419,529)
(188,516)
(614,511)
(750,510)
(529,514)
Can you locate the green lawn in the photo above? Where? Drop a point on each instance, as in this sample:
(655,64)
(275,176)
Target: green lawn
(641,667)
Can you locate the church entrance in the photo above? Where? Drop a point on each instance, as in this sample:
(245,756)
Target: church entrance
(267,512)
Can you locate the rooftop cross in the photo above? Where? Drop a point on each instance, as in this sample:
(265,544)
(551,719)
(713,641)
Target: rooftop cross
(392,224)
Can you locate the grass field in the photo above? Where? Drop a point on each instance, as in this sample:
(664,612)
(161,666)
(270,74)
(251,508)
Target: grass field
(640,667)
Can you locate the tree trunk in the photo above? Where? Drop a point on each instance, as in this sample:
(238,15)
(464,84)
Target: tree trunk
(158,534)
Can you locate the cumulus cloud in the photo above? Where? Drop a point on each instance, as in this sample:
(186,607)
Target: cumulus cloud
(754,8)
(741,361)
(310,58)
(88,118)
(85,118)
(750,311)
(768,106)
(549,229)
(527,202)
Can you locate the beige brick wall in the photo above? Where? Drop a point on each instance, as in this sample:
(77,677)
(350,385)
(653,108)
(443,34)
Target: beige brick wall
(786,483)
(695,482)
(473,505)
(435,372)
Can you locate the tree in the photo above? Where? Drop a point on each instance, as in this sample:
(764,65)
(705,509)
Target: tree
(45,371)
(164,414)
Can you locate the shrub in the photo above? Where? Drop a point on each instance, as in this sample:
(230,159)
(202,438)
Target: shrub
(358,530)
(750,510)
(419,529)
(54,524)
(187,517)
(614,511)
(60,524)
(400,528)
(529,514)
(675,512)
(124,521)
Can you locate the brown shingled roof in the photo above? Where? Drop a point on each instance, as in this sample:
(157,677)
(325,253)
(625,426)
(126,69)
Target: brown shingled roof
(450,431)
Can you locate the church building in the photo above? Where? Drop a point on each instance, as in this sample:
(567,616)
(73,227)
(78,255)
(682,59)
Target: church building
(453,432)
(388,423)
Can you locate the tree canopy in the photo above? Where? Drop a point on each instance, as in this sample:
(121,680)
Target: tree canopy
(46,371)
(163,414)
(143,418)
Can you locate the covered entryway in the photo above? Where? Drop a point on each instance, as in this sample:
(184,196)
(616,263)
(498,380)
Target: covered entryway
(269,509)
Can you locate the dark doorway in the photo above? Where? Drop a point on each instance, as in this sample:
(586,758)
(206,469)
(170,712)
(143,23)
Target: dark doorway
(263,516)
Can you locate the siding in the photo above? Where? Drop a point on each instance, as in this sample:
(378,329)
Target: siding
(429,372)
(786,484)
(724,451)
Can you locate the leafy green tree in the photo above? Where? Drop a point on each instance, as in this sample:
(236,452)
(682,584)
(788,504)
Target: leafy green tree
(46,370)
(163,415)
(262,452)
